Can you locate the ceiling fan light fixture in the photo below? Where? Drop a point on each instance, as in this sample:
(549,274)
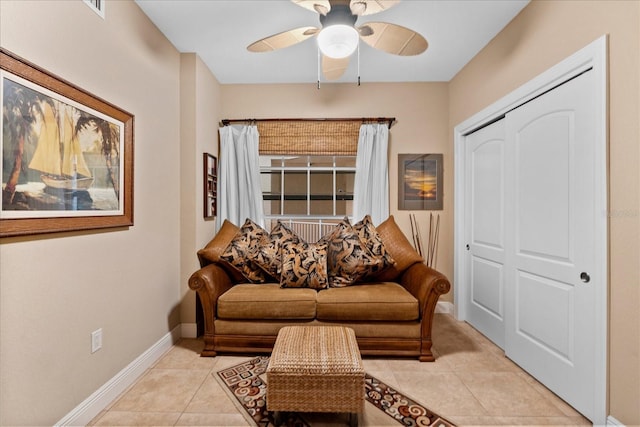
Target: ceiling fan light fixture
(338,41)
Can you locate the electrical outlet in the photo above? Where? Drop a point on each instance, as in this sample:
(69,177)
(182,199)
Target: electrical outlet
(96,340)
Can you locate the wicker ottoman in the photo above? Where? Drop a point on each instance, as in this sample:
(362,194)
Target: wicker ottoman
(316,369)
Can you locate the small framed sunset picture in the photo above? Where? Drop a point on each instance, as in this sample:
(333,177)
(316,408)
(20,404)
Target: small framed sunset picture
(420,181)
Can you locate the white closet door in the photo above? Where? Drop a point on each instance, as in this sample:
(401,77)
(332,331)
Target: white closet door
(485,219)
(551,292)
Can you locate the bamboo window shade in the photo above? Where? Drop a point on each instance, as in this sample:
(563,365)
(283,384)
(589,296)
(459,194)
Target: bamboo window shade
(308,137)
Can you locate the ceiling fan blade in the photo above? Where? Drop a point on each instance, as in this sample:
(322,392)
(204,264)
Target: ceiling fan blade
(393,38)
(333,68)
(320,6)
(282,40)
(369,7)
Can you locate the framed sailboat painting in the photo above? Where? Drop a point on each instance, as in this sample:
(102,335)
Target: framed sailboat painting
(67,156)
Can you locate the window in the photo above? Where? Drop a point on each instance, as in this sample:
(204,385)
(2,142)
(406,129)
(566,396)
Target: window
(307,190)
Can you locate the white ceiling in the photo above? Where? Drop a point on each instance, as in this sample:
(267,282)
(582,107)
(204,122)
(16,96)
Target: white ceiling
(219,32)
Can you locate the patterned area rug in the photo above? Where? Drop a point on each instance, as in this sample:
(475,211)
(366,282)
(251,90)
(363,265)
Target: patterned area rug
(246,385)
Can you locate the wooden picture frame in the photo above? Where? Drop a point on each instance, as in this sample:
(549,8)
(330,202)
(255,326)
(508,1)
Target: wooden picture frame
(420,182)
(66,155)
(210,187)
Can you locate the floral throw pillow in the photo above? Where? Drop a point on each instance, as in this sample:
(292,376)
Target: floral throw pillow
(370,237)
(348,258)
(304,265)
(238,253)
(267,254)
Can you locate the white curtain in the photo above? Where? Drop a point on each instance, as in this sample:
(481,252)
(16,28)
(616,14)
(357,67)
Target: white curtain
(371,187)
(239,192)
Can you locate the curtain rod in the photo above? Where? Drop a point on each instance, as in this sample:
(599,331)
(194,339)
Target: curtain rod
(389,120)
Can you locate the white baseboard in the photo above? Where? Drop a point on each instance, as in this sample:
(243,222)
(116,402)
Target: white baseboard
(82,414)
(444,307)
(189,330)
(613,422)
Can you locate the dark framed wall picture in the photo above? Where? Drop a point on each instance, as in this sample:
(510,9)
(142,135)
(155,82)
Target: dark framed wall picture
(210,168)
(67,156)
(420,182)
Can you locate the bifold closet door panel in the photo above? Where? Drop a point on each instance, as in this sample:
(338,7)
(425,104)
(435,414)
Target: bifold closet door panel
(550,296)
(485,225)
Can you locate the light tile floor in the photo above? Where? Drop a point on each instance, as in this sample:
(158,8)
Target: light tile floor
(470,383)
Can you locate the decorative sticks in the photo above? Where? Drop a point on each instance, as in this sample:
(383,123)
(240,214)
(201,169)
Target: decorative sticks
(432,242)
(434,231)
(415,234)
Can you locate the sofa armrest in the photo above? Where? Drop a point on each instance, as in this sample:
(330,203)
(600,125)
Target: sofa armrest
(426,285)
(210,282)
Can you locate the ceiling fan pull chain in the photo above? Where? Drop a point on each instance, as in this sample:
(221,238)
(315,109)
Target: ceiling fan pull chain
(318,67)
(358,62)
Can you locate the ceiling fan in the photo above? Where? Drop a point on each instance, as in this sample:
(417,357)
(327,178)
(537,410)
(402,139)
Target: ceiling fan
(338,36)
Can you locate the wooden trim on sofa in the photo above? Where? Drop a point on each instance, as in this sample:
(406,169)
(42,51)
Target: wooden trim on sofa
(210,282)
(368,346)
(426,284)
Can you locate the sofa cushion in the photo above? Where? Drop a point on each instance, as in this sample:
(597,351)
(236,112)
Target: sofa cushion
(348,259)
(238,251)
(304,265)
(398,247)
(211,253)
(370,237)
(267,254)
(396,330)
(267,301)
(219,243)
(365,302)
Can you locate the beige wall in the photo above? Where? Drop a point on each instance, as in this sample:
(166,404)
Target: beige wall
(200,114)
(56,289)
(543,34)
(421,111)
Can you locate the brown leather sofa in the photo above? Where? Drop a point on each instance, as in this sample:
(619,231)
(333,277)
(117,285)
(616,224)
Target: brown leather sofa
(391,315)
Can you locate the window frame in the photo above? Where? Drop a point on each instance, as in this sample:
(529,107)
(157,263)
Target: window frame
(308,169)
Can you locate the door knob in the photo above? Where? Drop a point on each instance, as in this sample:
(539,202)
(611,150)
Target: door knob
(585,277)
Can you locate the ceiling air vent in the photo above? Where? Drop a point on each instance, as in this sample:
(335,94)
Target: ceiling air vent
(97,6)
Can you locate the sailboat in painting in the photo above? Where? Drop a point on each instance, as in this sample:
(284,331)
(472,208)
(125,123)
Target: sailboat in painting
(58,155)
